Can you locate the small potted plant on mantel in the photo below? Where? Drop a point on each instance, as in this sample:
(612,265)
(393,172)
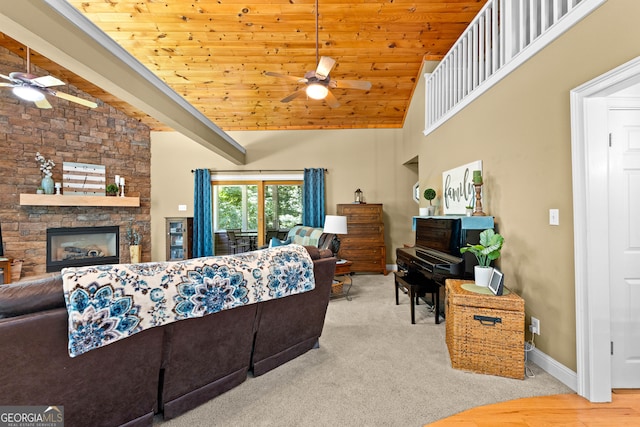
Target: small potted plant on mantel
(486,251)
(111,190)
(430,194)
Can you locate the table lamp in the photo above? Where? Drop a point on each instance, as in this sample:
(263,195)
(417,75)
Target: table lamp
(334,225)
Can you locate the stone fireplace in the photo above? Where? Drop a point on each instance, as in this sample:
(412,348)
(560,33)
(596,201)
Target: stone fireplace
(81,246)
(68,133)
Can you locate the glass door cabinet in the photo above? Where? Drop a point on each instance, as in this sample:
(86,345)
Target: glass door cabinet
(179,232)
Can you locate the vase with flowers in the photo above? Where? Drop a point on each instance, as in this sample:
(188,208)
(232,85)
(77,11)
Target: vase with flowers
(134,239)
(46,167)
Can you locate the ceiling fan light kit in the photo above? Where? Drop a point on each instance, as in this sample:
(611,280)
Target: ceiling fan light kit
(317,91)
(28,93)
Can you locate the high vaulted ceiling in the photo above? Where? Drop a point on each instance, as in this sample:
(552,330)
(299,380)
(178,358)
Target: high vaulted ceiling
(215,54)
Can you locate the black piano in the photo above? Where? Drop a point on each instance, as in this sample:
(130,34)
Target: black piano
(423,268)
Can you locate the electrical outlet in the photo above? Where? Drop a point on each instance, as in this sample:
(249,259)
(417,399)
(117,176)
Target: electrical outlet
(535,326)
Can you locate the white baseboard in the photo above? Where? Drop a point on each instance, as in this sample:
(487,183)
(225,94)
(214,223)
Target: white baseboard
(554,368)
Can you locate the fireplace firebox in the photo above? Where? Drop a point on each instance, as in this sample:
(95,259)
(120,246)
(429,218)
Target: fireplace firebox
(82,246)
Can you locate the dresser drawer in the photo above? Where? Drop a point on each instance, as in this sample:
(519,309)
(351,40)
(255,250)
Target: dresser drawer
(371,253)
(351,241)
(357,229)
(361,213)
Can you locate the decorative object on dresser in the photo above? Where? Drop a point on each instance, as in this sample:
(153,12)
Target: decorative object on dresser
(334,225)
(179,232)
(487,250)
(484,332)
(364,245)
(358,197)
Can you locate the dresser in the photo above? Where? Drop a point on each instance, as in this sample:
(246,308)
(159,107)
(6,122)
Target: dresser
(364,242)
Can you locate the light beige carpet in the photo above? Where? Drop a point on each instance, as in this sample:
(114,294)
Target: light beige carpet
(373,368)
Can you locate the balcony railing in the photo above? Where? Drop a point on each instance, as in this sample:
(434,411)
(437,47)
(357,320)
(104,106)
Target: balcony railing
(503,35)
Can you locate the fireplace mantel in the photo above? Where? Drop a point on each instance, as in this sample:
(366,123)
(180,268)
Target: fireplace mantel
(62,200)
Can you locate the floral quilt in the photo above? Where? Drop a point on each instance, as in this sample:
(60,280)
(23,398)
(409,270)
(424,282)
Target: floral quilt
(107,303)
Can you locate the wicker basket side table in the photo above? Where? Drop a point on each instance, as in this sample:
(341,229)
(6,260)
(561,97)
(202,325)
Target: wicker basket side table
(485,333)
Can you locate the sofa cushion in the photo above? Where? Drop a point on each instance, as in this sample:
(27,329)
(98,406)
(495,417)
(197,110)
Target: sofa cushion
(277,242)
(32,296)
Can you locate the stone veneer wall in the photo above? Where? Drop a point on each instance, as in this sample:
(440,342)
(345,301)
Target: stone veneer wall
(66,133)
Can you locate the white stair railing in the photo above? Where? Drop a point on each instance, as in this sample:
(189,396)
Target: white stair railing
(503,35)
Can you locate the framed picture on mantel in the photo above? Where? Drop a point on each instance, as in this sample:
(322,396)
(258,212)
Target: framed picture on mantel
(457,188)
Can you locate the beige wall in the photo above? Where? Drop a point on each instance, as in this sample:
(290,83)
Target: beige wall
(521,131)
(365,159)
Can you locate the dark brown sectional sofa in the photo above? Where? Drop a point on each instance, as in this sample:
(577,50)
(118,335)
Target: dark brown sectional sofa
(168,369)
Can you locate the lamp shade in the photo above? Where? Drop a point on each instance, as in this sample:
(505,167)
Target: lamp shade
(335,224)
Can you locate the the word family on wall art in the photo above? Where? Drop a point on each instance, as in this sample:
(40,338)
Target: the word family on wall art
(83,179)
(457,188)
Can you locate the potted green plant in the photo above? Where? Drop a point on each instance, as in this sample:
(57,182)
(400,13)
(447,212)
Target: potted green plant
(112,190)
(430,194)
(469,210)
(487,250)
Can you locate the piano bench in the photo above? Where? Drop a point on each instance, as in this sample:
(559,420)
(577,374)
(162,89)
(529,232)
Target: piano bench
(414,289)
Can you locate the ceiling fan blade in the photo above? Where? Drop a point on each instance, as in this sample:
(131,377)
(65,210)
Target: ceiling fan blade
(72,98)
(294,95)
(352,84)
(284,76)
(6,77)
(332,100)
(324,67)
(47,81)
(7,84)
(43,103)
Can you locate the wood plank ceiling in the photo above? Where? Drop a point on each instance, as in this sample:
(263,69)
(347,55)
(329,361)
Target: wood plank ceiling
(215,54)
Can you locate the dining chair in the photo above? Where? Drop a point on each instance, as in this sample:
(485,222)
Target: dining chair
(235,243)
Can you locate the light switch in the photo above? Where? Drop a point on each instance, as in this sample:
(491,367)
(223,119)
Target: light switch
(554,217)
(182,207)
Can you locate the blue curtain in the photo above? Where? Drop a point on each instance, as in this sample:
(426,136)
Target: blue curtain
(202,217)
(313,198)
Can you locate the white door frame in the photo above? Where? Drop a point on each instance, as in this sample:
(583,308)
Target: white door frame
(589,145)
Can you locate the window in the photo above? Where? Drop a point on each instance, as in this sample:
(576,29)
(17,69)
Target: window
(235,207)
(257,206)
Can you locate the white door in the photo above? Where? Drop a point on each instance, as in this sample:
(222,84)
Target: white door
(624,246)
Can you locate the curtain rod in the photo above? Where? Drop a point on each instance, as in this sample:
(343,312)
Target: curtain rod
(255,170)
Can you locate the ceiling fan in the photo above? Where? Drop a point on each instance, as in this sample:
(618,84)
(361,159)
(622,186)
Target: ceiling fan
(33,88)
(319,82)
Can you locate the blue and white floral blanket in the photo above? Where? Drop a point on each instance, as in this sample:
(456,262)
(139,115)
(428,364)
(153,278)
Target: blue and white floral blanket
(110,302)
